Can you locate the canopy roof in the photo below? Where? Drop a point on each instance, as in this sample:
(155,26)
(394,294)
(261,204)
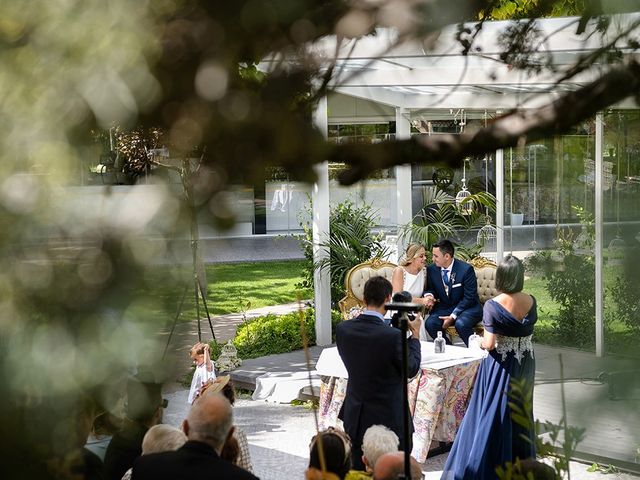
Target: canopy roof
(411,75)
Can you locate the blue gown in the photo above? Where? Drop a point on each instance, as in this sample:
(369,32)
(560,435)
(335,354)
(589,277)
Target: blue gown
(488,437)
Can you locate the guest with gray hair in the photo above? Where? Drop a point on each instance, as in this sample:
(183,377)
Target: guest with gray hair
(160,438)
(377,441)
(207,426)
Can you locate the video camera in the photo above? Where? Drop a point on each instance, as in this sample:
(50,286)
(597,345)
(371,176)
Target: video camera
(401,304)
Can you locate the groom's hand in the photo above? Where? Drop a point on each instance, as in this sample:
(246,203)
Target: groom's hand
(447,321)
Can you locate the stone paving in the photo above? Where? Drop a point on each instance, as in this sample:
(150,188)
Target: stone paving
(279,437)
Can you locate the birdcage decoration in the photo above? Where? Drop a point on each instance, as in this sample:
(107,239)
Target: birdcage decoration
(228,359)
(584,243)
(465,206)
(615,252)
(487,237)
(557,261)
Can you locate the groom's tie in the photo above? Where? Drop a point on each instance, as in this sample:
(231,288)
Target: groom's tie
(445,280)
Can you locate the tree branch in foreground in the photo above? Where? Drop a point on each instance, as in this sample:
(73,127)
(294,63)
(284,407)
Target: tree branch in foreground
(552,119)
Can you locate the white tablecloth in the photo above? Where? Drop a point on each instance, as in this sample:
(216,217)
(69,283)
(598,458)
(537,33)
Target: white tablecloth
(438,396)
(330,364)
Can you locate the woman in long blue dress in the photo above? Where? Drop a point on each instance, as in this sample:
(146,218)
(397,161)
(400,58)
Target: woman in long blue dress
(488,437)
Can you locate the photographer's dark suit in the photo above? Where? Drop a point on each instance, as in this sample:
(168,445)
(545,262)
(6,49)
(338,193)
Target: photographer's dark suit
(372,353)
(462,299)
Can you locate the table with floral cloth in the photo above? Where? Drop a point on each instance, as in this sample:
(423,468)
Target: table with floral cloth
(438,395)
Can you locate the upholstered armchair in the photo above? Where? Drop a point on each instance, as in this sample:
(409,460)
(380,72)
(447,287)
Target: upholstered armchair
(355,280)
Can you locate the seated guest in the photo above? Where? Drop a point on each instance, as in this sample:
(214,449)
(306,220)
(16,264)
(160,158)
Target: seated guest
(236,450)
(101,433)
(390,466)
(452,294)
(160,438)
(143,411)
(377,441)
(208,425)
(336,450)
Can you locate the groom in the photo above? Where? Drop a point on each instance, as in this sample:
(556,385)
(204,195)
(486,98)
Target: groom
(452,294)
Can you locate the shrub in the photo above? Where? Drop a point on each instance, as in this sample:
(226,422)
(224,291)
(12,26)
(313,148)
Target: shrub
(574,290)
(625,291)
(273,334)
(538,263)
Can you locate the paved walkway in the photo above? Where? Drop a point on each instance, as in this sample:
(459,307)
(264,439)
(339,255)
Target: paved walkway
(279,434)
(279,437)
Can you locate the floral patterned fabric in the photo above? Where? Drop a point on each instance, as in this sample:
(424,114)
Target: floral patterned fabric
(437,399)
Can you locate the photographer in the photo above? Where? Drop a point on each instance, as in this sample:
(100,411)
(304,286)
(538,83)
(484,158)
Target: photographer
(372,355)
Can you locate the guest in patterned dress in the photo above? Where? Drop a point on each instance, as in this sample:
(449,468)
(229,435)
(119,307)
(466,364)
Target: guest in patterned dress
(489,437)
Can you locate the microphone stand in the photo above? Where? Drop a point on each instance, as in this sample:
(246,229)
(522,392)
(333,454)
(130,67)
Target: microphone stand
(404,328)
(402,309)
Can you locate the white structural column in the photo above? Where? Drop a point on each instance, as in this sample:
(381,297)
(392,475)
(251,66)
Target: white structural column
(320,228)
(403,176)
(499,205)
(599,288)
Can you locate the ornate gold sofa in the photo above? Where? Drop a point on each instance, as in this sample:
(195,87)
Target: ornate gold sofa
(358,275)
(356,278)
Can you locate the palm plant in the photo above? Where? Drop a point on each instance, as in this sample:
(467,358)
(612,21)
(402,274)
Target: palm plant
(350,242)
(442,218)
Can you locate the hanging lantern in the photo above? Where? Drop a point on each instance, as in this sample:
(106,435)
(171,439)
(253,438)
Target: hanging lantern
(465,207)
(487,236)
(616,251)
(557,261)
(584,243)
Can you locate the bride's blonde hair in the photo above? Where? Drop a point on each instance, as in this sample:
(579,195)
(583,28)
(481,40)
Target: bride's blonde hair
(411,253)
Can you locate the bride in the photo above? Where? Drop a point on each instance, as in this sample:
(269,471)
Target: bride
(411,276)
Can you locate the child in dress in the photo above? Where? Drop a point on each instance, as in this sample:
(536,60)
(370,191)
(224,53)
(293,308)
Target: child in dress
(204,369)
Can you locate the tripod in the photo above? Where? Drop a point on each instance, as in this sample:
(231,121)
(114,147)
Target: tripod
(403,308)
(199,280)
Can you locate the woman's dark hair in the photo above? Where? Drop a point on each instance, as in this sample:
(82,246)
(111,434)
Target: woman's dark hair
(336,448)
(510,275)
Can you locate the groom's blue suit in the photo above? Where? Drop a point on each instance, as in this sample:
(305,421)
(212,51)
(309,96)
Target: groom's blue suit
(462,299)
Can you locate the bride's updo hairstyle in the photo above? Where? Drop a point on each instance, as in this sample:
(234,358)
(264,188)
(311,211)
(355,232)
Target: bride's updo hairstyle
(510,275)
(411,253)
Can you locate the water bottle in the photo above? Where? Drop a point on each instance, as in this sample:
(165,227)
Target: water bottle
(474,341)
(439,343)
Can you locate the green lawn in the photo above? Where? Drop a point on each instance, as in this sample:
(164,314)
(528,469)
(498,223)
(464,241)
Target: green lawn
(271,283)
(229,286)
(262,284)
